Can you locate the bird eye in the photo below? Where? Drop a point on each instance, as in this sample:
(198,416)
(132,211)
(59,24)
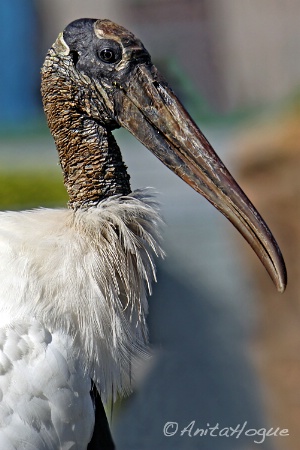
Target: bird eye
(107,55)
(109,51)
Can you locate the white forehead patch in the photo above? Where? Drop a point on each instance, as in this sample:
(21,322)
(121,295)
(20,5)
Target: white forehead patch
(60,46)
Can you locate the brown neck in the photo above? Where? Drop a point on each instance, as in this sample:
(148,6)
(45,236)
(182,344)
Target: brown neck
(90,158)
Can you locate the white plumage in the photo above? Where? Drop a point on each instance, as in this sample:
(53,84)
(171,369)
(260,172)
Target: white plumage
(72,307)
(46,402)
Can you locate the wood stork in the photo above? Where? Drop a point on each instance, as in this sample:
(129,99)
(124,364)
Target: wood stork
(74,281)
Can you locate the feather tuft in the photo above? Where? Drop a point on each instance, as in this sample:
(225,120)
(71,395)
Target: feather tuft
(87,273)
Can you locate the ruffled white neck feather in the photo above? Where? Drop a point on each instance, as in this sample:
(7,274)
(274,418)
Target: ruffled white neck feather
(86,273)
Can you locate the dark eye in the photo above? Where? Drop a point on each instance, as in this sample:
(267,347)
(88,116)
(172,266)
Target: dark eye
(108,55)
(109,51)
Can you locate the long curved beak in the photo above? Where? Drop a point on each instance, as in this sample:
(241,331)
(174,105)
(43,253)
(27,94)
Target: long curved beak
(149,109)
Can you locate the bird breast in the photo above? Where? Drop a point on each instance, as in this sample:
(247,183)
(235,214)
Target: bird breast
(85,273)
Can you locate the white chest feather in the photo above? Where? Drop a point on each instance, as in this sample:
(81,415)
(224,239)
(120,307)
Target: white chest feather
(45,395)
(82,277)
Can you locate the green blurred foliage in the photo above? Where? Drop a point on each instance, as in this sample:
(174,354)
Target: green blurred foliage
(31,189)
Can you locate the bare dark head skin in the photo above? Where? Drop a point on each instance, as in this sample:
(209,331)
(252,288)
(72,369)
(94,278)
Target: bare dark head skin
(98,76)
(104,50)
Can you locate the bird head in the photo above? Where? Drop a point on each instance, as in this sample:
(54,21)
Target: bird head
(116,84)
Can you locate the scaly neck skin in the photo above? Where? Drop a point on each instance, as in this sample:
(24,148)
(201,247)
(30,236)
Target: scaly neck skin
(91,163)
(90,158)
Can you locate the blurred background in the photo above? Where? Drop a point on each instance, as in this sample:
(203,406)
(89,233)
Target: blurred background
(226,346)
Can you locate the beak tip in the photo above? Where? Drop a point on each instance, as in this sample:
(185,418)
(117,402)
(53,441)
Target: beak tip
(281,287)
(281,281)
(277,270)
